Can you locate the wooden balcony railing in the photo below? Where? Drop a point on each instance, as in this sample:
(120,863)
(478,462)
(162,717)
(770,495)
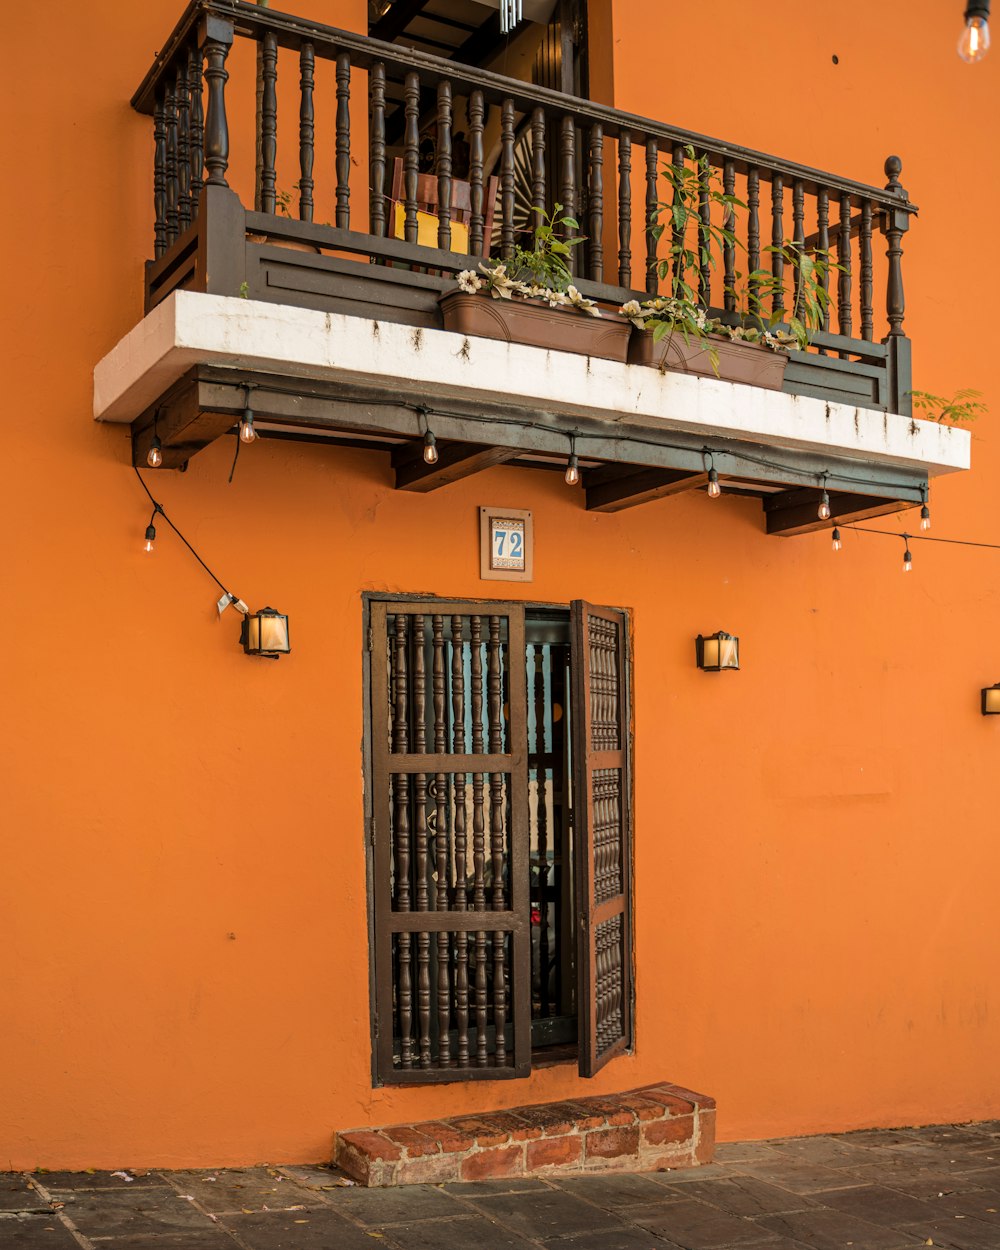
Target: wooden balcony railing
(383,108)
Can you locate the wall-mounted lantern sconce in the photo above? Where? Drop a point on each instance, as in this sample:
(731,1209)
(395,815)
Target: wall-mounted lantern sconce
(265,633)
(991,700)
(975,39)
(717,652)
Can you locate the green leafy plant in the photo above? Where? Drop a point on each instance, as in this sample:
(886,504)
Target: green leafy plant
(541,272)
(546,264)
(696,239)
(964,405)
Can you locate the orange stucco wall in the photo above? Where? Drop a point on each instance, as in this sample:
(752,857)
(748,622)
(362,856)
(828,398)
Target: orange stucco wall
(183,976)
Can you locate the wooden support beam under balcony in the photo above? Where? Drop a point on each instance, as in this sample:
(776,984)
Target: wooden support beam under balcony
(455,461)
(612,489)
(797,511)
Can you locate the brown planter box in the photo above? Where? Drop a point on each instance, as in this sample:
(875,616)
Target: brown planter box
(536,325)
(749,363)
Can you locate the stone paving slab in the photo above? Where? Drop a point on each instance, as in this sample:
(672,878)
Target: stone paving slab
(870,1190)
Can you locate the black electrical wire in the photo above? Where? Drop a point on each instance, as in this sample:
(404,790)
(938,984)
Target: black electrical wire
(421,409)
(920,538)
(158,509)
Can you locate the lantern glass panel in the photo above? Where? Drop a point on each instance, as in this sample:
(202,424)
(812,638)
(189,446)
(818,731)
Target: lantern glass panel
(273,631)
(991,701)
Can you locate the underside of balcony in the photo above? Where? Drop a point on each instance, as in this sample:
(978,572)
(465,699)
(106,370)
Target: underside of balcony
(197,362)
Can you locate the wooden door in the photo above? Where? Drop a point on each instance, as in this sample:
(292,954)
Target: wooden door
(601,729)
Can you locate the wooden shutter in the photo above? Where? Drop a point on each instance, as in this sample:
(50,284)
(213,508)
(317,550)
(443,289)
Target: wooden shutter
(450,873)
(601,794)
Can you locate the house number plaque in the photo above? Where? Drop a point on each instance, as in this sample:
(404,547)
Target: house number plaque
(506,544)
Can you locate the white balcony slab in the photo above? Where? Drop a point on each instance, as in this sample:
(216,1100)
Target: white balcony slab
(191,328)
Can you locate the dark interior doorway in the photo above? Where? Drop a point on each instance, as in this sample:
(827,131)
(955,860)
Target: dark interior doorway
(548,48)
(553,907)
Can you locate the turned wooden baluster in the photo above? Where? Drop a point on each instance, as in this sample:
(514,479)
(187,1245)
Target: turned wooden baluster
(677,240)
(411,155)
(595,245)
(729,248)
(567,180)
(343,164)
(895,223)
(777,242)
(421,833)
(196,152)
(753,239)
(401,821)
(495,708)
(823,248)
(478,843)
(376,148)
(867,320)
(183,149)
(444,164)
(307,78)
(216,122)
(625,209)
(537,166)
(440,791)
(798,241)
(269,123)
(704,231)
(507,179)
(844,317)
(652,200)
(173,188)
(160,176)
(476,157)
(461,844)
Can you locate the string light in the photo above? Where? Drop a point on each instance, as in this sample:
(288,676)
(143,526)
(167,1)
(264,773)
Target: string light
(430,448)
(925,512)
(572,474)
(543,427)
(824,502)
(148,545)
(974,42)
(837,544)
(247,432)
(154,457)
(714,489)
(907,557)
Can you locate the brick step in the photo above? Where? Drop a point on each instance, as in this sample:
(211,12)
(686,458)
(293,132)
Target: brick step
(651,1129)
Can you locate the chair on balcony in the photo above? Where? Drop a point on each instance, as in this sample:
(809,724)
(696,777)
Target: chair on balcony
(427,212)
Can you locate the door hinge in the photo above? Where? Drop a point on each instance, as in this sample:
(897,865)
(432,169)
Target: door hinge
(371,830)
(371,639)
(375,1024)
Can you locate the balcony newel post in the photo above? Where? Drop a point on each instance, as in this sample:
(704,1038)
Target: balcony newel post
(216,39)
(895,223)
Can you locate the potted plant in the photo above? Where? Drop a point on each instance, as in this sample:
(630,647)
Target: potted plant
(530,298)
(678,333)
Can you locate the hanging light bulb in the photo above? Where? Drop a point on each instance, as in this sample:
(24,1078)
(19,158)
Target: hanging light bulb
(974,42)
(148,545)
(907,559)
(714,489)
(154,457)
(430,448)
(824,507)
(247,432)
(572,473)
(837,544)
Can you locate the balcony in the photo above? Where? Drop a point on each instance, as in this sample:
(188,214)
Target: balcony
(331,329)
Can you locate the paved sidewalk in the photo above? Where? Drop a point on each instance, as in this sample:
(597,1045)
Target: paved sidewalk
(879,1190)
